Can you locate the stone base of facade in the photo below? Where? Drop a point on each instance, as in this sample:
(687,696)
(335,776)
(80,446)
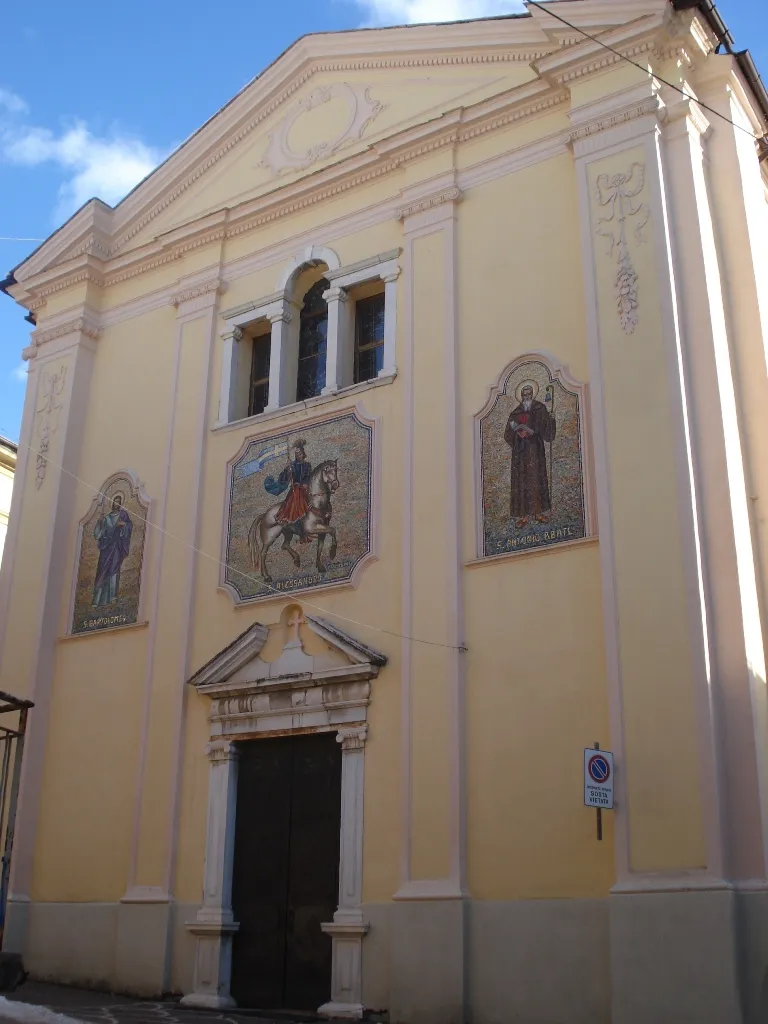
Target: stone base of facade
(427,956)
(629,959)
(697,955)
(140,949)
(539,961)
(752,930)
(16,926)
(208,1002)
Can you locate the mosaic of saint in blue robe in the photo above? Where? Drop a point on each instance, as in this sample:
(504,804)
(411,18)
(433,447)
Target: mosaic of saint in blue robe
(113,536)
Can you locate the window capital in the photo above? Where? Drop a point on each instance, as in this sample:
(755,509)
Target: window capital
(335,294)
(234,333)
(283,315)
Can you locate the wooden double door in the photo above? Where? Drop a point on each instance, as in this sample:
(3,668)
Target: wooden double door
(285,879)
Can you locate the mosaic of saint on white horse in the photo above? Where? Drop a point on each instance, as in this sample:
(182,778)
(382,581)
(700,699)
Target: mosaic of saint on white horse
(304,514)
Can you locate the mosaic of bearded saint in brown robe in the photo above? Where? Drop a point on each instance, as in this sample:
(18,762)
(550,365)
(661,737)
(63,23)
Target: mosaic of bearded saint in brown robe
(528,427)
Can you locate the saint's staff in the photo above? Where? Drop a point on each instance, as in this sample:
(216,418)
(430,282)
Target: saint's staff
(549,400)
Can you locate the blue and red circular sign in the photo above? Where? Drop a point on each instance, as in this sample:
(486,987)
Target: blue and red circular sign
(599,769)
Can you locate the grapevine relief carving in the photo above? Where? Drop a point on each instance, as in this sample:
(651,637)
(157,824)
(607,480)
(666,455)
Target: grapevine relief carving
(617,193)
(47,414)
(361,110)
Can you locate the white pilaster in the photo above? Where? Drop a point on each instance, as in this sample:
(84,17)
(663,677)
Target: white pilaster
(338,341)
(728,549)
(229,364)
(627,127)
(390,323)
(655,312)
(159,762)
(348,927)
(64,355)
(431,215)
(215,924)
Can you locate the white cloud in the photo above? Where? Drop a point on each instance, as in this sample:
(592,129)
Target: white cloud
(103,167)
(12,103)
(20,373)
(412,12)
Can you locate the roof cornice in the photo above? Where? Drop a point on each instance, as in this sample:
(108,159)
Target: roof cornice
(586,56)
(90,226)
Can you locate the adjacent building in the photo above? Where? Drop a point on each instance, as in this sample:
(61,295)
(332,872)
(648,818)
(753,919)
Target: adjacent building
(8,454)
(400,437)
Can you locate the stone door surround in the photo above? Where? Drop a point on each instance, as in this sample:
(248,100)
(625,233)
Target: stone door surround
(252,698)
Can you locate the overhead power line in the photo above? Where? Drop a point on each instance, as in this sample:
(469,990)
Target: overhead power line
(245,575)
(694,99)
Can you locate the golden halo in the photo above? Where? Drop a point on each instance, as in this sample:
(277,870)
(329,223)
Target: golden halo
(529,384)
(120,495)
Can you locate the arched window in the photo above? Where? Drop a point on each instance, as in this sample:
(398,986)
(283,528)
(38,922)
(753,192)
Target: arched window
(313,331)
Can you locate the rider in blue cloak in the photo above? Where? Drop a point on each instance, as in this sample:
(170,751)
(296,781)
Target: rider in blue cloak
(295,477)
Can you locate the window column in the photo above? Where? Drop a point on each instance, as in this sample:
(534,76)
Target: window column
(337,341)
(229,365)
(282,358)
(390,322)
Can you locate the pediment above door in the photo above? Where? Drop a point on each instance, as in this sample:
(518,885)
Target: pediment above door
(303,673)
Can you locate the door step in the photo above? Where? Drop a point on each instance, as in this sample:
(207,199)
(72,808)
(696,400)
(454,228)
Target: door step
(282,1015)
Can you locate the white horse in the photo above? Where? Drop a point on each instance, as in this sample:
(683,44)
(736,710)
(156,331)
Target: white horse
(316,523)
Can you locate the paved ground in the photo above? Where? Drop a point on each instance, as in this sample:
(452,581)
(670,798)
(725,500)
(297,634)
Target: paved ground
(101,1008)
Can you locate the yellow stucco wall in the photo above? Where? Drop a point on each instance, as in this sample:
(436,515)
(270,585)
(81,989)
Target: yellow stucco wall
(663,787)
(536,686)
(86,812)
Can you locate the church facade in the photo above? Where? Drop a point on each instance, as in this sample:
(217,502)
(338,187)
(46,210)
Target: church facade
(396,440)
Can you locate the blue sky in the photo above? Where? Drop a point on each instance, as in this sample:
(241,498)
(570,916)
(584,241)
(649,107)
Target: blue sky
(93,95)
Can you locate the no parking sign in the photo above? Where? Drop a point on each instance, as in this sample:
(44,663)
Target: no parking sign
(598,778)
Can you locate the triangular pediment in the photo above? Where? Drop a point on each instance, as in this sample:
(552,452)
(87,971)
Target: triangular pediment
(327,97)
(331,99)
(297,651)
(331,118)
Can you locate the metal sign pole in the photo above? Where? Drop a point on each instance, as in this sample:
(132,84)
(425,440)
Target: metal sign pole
(599,813)
(598,782)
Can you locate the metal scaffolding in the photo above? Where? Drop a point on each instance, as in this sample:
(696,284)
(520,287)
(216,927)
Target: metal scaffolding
(11,753)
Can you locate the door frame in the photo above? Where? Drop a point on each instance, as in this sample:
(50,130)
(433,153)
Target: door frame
(309,698)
